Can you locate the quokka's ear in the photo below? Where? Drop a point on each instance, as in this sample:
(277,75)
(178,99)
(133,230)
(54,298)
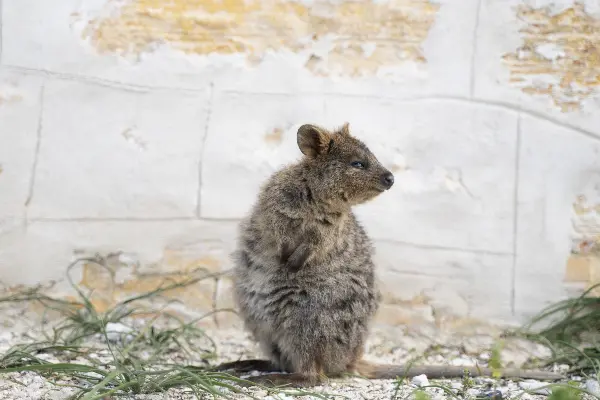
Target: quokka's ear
(345,130)
(313,140)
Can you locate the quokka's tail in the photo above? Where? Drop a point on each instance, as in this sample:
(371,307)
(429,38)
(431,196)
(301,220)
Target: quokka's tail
(382,371)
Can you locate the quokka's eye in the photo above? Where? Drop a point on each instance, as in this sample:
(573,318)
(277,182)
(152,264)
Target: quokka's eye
(358,164)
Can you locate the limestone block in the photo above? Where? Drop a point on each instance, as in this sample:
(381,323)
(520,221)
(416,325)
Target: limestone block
(453,282)
(107,153)
(552,177)
(454,170)
(19,118)
(539,57)
(250,136)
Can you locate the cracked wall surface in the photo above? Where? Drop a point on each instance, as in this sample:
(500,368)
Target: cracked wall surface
(359,37)
(141,130)
(560,55)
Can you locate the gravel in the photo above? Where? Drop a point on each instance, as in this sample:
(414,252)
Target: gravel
(386,345)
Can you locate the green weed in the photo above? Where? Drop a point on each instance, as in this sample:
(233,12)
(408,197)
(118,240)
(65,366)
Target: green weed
(138,362)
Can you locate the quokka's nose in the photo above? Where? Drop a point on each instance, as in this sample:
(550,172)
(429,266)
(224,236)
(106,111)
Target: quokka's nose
(387,180)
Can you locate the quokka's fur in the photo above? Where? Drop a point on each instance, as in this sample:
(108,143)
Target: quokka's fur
(304,276)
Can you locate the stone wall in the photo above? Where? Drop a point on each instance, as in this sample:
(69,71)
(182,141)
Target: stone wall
(146,127)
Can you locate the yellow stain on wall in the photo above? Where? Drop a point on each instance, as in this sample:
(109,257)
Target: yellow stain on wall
(586,226)
(364,35)
(559,56)
(275,136)
(583,265)
(6,99)
(176,268)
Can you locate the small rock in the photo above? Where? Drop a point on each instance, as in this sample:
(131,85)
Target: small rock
(463,361)
(535,387)
(476,344)
(493,394)
(6,336)
(592,386)
(114,331)
(420,380)
(484,380)
(280,396)
(562,368)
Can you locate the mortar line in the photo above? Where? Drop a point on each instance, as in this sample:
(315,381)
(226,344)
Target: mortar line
(202,150)
(515,217)
(131,219)
(474,49)
(220,219)
(443,248)
(111,219)
(36,154)
(91,80)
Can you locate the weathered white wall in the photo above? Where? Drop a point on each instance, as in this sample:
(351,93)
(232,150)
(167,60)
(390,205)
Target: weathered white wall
(147,126)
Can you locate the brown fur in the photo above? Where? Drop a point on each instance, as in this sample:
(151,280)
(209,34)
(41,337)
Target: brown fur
(304,275)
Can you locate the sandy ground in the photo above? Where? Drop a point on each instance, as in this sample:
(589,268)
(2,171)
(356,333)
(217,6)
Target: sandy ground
(396,345)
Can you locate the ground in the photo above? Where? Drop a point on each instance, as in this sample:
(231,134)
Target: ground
(20,324)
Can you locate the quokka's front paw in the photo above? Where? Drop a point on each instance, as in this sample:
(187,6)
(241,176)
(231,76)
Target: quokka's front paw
(298,259)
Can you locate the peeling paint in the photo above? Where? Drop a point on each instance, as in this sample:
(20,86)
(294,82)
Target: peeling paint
(175,267)
(559,57)
(453,181)
(594,277)
(8,99)
(130,134)
(586,225)
(275,136)
(584,269)
(583,265)
(348,38)
(578,269)
(124,276)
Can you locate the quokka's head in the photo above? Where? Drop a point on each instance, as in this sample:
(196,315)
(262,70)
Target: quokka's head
(345,168)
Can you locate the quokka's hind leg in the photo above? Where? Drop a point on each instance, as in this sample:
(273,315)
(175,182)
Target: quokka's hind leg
(308,374)
(244,366)
(291,380)
(357,354)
